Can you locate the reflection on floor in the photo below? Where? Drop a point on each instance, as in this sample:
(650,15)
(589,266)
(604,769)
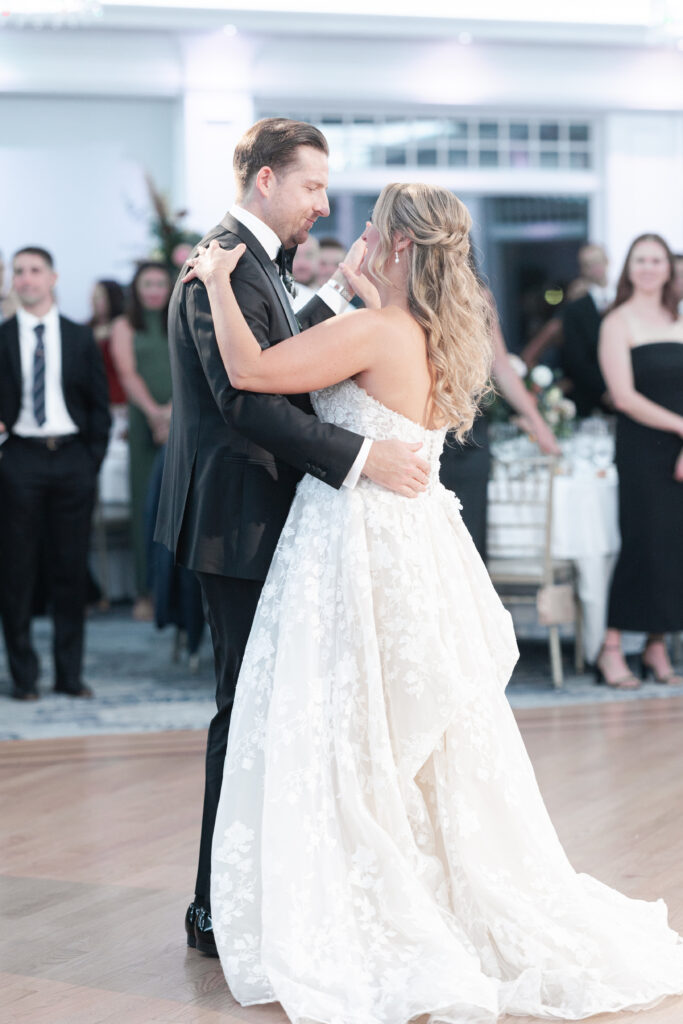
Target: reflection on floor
(98,847)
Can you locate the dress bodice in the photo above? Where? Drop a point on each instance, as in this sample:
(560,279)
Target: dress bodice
(348,405)
(658,372)
(152,359)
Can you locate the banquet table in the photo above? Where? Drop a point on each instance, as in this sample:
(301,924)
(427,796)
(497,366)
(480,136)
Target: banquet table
(585,528)
(112,562)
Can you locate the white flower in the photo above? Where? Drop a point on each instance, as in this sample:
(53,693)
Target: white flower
(542,376)
(567,408)
(518,365)
(552,417)
(553,396)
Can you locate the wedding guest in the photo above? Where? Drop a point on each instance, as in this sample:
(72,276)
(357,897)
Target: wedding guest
(465,468)
(641,355)
(108,303)
(139,348)
(331,253)
(581,328)
(2,287)
(54,415)
(305,270)
(593,263)
(678,281)
(8,301)
(306,259)
(547,340)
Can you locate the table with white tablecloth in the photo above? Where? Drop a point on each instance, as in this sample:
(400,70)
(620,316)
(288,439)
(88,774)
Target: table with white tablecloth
(585,527)
(112,557)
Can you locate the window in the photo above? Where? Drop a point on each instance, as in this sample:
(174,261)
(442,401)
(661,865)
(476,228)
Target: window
(521,143)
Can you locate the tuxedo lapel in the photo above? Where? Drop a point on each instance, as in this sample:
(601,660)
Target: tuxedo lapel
(68,352)
(13,352)
(231,224)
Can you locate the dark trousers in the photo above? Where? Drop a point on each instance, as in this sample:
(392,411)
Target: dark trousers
(229,607)
(46,503)
(465,470)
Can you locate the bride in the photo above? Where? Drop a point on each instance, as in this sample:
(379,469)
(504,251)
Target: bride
(382,852)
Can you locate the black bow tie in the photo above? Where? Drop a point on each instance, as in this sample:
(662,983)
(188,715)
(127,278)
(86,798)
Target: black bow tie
(284,261)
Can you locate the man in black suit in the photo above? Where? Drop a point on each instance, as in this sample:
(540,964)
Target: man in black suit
(581,330)
(54,428)
(234,457)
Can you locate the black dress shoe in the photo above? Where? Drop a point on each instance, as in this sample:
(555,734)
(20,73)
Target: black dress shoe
(203,933)
(190,918)
(199,930)
(82,691)
(24,694)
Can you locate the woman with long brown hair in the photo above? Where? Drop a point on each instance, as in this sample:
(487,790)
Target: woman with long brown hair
(381,851)
(139,348)
(641,356)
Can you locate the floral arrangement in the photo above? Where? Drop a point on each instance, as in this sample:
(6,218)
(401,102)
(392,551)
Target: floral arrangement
(557,410)
(173,242)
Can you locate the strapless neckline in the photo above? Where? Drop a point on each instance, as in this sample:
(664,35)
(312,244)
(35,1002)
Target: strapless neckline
(436,431)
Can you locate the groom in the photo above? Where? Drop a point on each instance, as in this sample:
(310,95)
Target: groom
(234,458)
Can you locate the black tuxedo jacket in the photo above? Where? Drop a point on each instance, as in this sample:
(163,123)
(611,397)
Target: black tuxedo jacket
(234,457)
(84,382)
(581,330)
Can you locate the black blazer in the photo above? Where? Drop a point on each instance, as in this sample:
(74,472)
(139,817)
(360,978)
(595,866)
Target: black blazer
(581,330)
(84,382)
(234,457)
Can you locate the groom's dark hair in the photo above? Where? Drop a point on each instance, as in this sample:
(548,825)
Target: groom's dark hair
(273,142)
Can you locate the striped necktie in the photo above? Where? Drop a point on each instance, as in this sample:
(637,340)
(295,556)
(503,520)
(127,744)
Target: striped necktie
(39,376)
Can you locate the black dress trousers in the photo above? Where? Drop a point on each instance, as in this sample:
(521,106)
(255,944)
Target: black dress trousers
(229,607)
(46,500)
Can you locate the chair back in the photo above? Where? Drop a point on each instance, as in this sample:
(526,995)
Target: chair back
(520,514)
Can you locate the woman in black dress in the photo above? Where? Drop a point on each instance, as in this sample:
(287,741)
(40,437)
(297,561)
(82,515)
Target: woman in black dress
(641,356)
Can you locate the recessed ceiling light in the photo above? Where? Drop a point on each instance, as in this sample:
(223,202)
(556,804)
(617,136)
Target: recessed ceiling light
(465,38)
(230,30)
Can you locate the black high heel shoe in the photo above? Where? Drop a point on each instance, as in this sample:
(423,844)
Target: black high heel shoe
(648,673)
(627,682)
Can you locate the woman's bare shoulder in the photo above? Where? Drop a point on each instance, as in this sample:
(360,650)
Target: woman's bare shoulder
(120,328)
(616,321)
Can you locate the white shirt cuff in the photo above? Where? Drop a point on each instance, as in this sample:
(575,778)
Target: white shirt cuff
(333,299)
(353,475)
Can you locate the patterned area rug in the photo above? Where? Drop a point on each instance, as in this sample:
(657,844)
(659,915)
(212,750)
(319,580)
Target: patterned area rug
(139,688)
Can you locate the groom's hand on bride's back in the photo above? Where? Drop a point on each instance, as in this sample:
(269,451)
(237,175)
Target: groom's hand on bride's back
(397,466)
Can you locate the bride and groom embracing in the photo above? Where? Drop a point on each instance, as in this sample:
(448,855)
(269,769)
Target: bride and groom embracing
(381,851)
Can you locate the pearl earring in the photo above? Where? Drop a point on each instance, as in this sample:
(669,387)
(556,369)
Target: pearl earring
(396,256)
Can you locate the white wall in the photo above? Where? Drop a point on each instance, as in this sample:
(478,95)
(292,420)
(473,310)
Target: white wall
(93,109)
(73,181)
(643,180)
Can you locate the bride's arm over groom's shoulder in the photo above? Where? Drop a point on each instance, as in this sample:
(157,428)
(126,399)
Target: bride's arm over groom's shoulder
(325,354)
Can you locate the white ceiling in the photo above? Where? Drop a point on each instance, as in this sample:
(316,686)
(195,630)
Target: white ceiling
(638,23)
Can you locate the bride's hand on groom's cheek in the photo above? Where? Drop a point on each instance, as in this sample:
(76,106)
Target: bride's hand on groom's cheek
(212,259)
(362,286)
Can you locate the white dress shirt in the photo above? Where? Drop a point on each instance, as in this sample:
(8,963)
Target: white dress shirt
(57,420)
(271,243)
(602,297)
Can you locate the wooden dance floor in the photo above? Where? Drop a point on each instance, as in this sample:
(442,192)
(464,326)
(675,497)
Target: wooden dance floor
(99,836)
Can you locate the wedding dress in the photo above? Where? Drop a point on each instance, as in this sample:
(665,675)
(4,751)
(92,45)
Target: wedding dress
(382,851)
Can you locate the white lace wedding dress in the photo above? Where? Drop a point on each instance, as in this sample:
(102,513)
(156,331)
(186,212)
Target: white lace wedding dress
(382,850)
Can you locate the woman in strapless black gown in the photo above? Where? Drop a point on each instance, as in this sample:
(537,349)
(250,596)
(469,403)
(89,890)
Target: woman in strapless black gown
(641,354)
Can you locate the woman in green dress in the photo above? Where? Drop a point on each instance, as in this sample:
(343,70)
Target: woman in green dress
(139,347)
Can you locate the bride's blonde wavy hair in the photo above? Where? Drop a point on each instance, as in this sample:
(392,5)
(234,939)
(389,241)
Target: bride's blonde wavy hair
(444,294)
